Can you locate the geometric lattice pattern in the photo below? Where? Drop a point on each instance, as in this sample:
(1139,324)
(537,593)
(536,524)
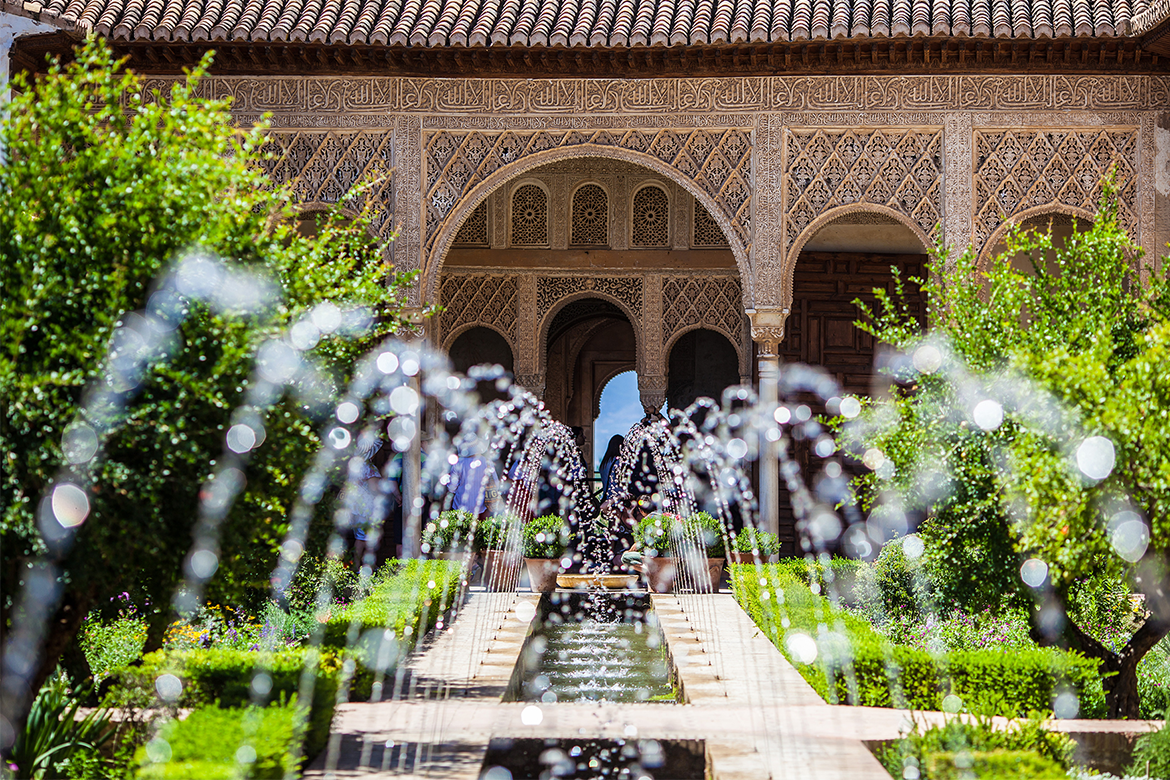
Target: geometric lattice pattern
(474,231)
(552,289)
(480,298)
(717,161)
(651,225)
(714,302)
(1016,170)
(590,217)
(706,231)
(901,169)
(324,166)
(529,216)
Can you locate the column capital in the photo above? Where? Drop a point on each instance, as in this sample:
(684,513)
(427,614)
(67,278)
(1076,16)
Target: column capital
(768,328)
(533,383)
(652,390)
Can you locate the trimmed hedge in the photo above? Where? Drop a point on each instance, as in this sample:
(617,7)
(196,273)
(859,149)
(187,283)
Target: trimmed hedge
(223,677)
(204,746)
(857,665)
(401,597)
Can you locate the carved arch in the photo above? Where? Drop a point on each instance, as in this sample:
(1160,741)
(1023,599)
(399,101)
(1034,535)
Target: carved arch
(440,246)
(678,334)
(546,321)
(460,329)
(833,214)
(513,188)
(1023,216)
(601,389)
(577,187)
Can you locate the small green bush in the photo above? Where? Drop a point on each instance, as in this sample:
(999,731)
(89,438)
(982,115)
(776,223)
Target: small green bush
(753,540)
(656,532)
(224,676)
(967,747)
(407,599)
(547,536)
(450,532)
(214,743)
(1151,755)
(1154,681)
(855,664)
(108,645)
(708,529)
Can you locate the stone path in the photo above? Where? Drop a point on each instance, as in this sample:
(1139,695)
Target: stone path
(757,716)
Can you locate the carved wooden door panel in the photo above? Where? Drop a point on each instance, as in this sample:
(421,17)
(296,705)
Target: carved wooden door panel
(820,331)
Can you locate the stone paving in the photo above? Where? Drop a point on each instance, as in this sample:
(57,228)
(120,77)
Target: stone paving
(757,716)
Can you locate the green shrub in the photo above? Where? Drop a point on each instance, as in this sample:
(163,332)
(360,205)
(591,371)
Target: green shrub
(110,645)
(855,664)
(655,532)
(974,747)
(1151,755)
(706,528)
(548,536)
(407,598)
(450,532)
(1154,681)
(492,533)
(224,676)
(213,743)
(753,540)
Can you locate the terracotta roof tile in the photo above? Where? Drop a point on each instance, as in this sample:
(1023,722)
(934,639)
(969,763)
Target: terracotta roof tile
(588,23)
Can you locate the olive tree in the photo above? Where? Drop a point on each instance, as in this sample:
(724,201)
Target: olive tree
(1028,425)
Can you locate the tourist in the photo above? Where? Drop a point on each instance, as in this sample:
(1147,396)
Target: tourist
(608,462)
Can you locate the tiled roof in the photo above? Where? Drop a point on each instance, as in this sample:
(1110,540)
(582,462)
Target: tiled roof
(576,23)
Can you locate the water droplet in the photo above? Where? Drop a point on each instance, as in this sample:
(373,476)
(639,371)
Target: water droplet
(952,704)
(203,563)
(850,407)
(1066,705)
(531,716)
(347,412)
(169,688)
(1034,572)
(802,647)
(70,505)
(1129,535)
(326,316)
(246,754)
(927,359)
(912,547)
(988,414)
(1095,457)
(79,444)
(241,438)
(339,438)
(404,400)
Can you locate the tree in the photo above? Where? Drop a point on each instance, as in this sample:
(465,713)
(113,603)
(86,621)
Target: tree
(1029,424)
(101,193)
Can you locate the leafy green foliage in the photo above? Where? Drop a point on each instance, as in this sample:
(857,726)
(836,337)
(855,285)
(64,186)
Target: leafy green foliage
(407,598)
(753,540)
(53,736)
(101,193)
(707,531)
(110,644)
(450,532)
(976,747)
(1151,754)
(248,742)
(855,664)
(657,532)
(548,536)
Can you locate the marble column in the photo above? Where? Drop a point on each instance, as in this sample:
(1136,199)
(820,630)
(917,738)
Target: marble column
(767,333)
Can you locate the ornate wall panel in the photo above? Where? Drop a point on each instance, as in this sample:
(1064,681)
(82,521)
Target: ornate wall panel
(1018,170)
(529,216)
(718,162)
(705,232)
(481,299)
(590,217)
(550,290)
(714,302)
(322,167)
(650,218)
(474,230)
(892,167)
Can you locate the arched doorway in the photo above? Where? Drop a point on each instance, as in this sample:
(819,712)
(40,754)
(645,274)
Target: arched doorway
(589,341)
(1062,226)
(479,346)
(702,363)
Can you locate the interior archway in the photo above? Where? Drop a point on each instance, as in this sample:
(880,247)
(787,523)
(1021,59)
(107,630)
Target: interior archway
(702,363)
(478,346)
(1062,225)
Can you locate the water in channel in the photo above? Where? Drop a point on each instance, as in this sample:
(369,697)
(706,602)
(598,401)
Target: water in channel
(594,647)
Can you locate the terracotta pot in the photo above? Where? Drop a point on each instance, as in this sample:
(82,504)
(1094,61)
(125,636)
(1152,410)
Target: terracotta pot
(660,573)
(715,571)
(747,557)
(542,573)
(501,570)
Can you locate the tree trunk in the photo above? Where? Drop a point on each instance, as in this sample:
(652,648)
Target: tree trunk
(1119,670)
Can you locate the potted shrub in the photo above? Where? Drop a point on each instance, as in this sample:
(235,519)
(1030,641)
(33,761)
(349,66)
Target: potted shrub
(708,531)
(448,537)
(501,561)
(547,540)
(752,545)
(655,535)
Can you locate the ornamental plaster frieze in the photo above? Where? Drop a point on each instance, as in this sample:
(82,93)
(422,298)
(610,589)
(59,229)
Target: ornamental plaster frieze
(698,96)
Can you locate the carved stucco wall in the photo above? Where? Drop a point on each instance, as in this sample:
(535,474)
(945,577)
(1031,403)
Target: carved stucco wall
(763,154)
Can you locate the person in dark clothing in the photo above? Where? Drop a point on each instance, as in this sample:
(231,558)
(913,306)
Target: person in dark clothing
(608,461)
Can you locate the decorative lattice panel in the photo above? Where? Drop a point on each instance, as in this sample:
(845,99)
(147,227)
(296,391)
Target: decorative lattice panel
(706,232)
(474,230)
(529,216)
(901,169)
(552,289)
(1016,170)
(651,218)
(716,161)
(324,167)
(479,299)
(590,217)
(714,302)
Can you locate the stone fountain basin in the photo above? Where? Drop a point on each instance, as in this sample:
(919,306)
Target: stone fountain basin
(619,581)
